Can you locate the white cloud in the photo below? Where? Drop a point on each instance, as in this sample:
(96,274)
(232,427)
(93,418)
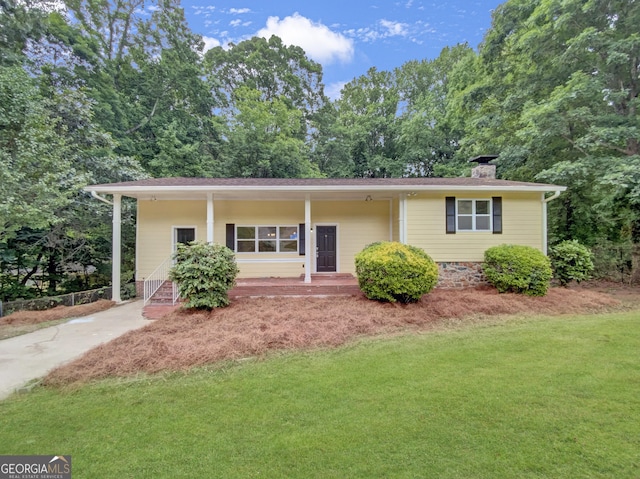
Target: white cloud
(210,43)
(394,29)
(317,40)
(235,23)
(239,11)
(199,10)
(383,29)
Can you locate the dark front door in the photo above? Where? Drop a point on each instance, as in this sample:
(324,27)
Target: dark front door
(185,235)
(326,247)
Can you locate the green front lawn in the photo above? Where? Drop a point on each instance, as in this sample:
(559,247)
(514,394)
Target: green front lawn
(544,397)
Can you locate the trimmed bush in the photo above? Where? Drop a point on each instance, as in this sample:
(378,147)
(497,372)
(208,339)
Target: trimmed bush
(517,269)
(571,261)
(391,271)
(204,273)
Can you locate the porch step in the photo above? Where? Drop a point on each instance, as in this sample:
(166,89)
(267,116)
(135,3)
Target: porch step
(337,284)
(164,295)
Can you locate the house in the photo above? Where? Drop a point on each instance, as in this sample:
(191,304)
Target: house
(296,227)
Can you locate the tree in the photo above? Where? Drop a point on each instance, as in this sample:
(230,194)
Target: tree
(556,95)
(171,107)
(367,112)
(36,176)
(262,141)
(20,22)
(427,140)
(284,78)
(276,70)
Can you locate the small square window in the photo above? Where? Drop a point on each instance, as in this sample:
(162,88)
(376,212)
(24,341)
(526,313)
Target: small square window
(288,232)
(266,246)
(465,207)
(465,223)
(267,232)
(482,207)
(288,246)
(246,232)
(482,223)
(246,246)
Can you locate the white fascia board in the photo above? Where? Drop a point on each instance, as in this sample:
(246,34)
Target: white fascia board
(145,190)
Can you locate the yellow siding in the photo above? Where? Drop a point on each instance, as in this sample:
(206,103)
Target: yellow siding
(358,224)
(521,224)
(156,219)
(395,219)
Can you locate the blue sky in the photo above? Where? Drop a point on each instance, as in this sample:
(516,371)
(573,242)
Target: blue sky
(349,36)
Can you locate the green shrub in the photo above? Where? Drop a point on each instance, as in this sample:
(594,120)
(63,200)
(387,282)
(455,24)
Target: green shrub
(204,273)
(517,269)
(571,261)
(391,271)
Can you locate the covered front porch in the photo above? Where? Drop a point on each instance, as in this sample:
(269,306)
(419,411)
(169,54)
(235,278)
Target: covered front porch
(298,234)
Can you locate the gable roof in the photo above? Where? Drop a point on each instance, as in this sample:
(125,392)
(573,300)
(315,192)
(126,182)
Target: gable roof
(284,187)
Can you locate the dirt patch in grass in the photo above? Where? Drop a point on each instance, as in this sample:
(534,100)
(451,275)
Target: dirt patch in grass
(23,322)
(254,326)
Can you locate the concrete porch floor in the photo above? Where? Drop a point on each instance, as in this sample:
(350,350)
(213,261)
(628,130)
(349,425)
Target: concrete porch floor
(321,285)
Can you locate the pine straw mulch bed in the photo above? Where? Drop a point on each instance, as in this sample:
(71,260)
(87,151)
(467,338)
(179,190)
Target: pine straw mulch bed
(255,326)
(22,322)
(53,314)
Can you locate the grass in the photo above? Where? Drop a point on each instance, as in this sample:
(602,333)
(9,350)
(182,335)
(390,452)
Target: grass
(532,398)
(11,330)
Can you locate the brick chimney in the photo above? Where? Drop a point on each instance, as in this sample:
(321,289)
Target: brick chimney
(484,169)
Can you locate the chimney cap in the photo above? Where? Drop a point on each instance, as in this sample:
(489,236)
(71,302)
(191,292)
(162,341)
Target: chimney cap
(483,159)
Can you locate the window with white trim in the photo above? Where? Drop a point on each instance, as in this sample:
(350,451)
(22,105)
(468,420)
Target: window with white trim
(267,239)
(473,215)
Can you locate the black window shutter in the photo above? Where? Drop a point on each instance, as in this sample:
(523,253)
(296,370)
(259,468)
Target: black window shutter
(231,236)
(451,214)
(497,215)
(301,238)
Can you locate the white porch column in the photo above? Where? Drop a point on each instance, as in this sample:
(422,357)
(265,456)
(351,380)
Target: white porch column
(210,218)
(117,248)
(307,239)
(402,218)
(545,227)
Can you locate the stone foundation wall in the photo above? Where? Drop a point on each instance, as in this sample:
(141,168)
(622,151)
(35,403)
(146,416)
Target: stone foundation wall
(460,275)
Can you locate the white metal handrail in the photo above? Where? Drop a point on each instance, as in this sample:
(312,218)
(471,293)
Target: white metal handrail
(156,279)
(176,294)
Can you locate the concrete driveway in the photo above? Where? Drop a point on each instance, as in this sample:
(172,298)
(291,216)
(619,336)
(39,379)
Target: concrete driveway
(31,356)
